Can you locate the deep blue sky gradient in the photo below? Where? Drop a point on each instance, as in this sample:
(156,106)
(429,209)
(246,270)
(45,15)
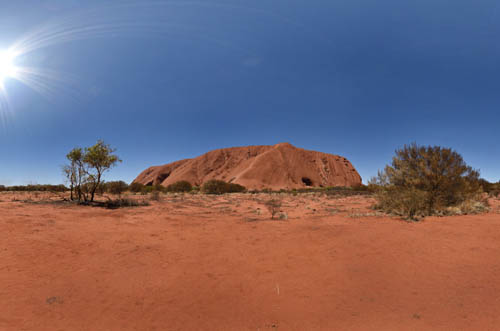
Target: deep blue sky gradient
(353,78)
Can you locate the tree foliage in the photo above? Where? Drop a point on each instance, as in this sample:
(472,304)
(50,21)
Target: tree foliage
(86,169)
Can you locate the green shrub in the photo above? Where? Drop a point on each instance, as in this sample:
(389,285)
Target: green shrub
(136,187)
(149,189)
(117,187)
(215,186)
(121,203)
(424,181)
(236,188)
(180,186)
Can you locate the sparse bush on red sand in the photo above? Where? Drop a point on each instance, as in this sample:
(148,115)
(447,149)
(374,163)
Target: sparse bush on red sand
(136,187)
(155,196)
(274,206)
(215,186)
(116,187)
(122,203)
(423,181)
(180,186)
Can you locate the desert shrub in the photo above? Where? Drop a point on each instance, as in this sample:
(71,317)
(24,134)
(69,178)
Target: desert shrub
(154,188)
(424,181)
(494,194)
(409,203)
(135,187)
(467,207)
(360,188)
(180,186)
(274,206)
(116,187)
(120,203)
(215,186)
(2,188)
(486,185)
(35,188)
(155,196)
(235,188)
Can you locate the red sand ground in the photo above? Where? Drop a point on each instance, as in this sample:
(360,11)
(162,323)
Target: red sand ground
(219,263)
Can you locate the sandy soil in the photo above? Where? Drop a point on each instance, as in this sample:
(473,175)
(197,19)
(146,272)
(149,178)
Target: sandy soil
(220,263)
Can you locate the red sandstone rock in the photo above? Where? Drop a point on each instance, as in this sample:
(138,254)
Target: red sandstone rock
(281,166)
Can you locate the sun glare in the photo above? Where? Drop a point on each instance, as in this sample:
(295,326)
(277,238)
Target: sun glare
(7,66)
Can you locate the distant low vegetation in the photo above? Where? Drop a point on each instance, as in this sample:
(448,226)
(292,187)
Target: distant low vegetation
(432,180)
(34,188)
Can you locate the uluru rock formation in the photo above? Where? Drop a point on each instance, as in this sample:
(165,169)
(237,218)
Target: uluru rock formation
(281,166)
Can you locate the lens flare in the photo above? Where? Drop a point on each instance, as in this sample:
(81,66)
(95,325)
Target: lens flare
(7,66)
(165,19)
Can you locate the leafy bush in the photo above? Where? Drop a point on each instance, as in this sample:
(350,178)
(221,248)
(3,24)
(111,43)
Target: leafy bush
(149,189)
(155,196)
(215,186)
(235,188)
(424,181)
(410,202)
(117,187)
(274,206)
(136,187)
(120,203)
(180,186)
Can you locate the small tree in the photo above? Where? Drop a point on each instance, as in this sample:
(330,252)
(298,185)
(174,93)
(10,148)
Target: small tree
(75,173)
(99,159)
(86,168)
(424,180)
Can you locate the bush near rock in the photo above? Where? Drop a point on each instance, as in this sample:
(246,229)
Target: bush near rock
(180,186)
(423,181)
(215,186)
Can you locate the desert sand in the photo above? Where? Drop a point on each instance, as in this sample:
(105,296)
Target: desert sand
(280,166)
(197,262)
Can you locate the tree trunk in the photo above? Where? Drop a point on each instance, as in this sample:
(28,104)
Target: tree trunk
(95,186)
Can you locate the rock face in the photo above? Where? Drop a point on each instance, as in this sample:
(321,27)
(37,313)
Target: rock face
(281,166)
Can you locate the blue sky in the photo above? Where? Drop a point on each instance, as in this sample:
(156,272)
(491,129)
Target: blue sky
(168,80)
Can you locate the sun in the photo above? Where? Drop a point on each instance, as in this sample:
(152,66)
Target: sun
(7,65)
